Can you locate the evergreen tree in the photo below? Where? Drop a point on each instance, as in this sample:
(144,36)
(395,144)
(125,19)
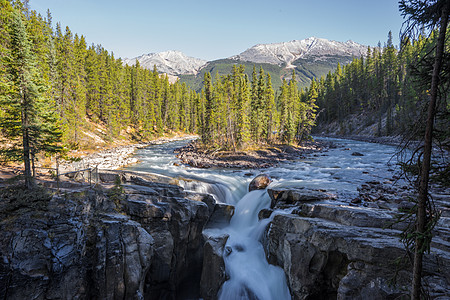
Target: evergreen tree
(270,112)
(431,14)
(207,132)
(307,115)
(27,120)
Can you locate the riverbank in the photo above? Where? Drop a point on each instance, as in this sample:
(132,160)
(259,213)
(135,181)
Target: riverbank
(115,158)
(264,157)
(106,159)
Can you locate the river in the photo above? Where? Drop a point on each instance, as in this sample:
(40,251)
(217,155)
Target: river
(337,170)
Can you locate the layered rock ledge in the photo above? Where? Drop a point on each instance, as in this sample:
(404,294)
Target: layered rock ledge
(141,239)
(333,250)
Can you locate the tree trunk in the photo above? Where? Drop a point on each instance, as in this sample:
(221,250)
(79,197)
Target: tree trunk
(26,149)
(424,175)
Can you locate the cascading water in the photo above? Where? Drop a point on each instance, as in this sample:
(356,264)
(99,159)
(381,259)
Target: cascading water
(250,275)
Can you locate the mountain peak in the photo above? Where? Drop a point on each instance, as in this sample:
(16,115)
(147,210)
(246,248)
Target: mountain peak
(172,62)
(287,52)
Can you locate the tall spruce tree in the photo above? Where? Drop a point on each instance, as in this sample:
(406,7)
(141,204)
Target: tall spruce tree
(28,121)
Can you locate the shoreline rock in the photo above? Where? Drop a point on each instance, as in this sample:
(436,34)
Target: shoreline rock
(334,250)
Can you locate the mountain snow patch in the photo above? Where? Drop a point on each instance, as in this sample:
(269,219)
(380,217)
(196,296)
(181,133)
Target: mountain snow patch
(288,52)
(170,62)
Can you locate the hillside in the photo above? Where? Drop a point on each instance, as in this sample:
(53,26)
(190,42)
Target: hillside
(225,66)
(305,70)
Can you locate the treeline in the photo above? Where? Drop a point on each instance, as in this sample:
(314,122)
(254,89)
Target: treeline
(238,111)
(61,85)
(387,87)
(86,83)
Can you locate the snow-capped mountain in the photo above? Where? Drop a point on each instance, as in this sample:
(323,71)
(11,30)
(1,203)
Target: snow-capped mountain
(170,62)
(288,52)
(308,51)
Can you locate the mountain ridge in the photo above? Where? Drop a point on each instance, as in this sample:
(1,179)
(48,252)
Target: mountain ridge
(282,54)
(309,58)
(288,52)
(171,62)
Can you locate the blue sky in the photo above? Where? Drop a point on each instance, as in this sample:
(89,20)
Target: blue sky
(212,29)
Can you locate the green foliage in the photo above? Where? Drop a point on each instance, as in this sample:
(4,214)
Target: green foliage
(71,83)
(384,85)
(116,194)
(28,120)
(239,112)
(82,83)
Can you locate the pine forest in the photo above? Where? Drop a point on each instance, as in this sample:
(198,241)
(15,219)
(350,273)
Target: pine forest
(64,84)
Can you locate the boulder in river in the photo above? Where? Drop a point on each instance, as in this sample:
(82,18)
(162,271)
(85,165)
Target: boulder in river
(357,154)
(260,182)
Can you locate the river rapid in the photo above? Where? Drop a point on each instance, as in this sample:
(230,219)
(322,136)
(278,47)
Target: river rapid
(337,170)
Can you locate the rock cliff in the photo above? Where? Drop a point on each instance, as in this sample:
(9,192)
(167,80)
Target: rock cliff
(141,239)
(332,250)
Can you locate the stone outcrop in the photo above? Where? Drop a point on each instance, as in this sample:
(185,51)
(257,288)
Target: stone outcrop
(138,240)
(331,251)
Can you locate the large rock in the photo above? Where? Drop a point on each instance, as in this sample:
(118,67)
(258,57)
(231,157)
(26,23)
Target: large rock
(260,182)
(213,273)
(175,220)
(123,254)
(341,252)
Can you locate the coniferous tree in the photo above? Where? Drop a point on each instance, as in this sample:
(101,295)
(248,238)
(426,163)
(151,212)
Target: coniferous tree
(431,14)
(270,112)
(207,132)
(27,122)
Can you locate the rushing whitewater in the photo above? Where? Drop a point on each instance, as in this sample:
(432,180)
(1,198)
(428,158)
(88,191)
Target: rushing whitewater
(250,275)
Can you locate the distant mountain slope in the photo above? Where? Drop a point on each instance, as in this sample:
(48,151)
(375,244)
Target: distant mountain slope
(311,48)
(310,58)
(170,62)
(225,66)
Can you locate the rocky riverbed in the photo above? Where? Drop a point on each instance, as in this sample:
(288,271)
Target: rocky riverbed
(330,249)
(115,158)
(140,236)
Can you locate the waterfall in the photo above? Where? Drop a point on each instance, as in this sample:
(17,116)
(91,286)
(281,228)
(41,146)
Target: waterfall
(250,275)
(220,191)
(336,169)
